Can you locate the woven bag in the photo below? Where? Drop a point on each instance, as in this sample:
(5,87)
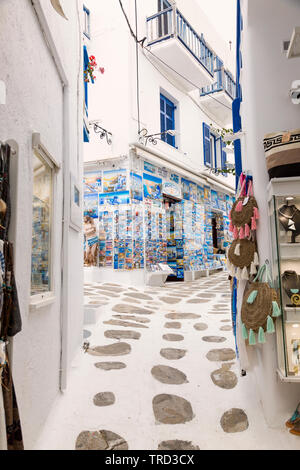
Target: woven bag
(260,304)
(242,258)
(282,150)
(244,213)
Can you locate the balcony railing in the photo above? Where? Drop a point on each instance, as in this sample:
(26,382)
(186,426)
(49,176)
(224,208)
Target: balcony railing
(224,82)
(171,23)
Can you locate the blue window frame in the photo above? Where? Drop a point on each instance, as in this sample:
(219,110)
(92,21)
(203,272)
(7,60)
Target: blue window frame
(223,158)
(207,146)
(167,119)
(87,22)
(86,96)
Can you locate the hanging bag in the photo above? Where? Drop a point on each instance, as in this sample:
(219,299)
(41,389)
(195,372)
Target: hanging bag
(242,259)
(259,307)
(244,212)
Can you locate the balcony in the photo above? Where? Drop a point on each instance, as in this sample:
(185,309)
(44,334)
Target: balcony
(173,41)
(217,98)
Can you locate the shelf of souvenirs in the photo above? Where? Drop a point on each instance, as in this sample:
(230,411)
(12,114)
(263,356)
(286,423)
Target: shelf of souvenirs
(290,251)
(289,378)
(292,314)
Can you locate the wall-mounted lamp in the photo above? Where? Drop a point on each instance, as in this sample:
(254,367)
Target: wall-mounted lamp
(103,133)
(144,138)
(295,92)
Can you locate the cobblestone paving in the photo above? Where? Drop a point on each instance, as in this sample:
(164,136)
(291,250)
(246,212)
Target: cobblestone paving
(171,391)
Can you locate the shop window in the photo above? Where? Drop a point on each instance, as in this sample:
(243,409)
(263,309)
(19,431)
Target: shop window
(87,22)
(41,226)
(167,119)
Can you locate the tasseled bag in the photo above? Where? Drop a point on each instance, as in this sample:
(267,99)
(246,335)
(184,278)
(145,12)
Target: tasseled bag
(244,213)
(260,306)
(242,259)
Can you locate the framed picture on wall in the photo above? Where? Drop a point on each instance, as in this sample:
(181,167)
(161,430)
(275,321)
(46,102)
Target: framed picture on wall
(76,205)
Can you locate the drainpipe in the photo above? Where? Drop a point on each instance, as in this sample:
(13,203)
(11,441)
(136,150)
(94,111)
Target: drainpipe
(66,189)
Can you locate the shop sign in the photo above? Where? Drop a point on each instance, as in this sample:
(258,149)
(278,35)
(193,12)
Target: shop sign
(172,189)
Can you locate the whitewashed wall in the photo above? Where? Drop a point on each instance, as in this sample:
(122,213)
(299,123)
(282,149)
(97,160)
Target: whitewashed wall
(35,103)
(266,80)
(112,99)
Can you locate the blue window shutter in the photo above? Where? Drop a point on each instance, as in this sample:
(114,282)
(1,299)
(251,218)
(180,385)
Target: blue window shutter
(224,158)
(206,145)
(167,119)
(85,66)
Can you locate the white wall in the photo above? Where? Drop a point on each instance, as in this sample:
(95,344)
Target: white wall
(35,103)
(113,98)
(266,79)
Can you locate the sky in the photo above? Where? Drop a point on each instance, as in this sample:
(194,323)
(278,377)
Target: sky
(222,14)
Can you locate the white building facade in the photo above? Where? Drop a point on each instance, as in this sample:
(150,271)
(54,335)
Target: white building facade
(266,80)
(41,118)
(178,78)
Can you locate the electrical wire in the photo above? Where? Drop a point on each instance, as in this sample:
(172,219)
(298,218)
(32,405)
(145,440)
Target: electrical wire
(205,111)
(182,76)
(129,25)
(141,43)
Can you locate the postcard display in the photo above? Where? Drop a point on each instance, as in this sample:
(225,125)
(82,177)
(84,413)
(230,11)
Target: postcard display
(136,230)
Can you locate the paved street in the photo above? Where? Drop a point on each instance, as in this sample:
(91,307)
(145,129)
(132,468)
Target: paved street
(160,373)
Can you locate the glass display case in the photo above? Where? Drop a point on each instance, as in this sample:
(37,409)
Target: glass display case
(284,215)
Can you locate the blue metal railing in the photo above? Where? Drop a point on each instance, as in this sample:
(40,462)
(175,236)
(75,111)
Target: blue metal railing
(225,82)
(171,23)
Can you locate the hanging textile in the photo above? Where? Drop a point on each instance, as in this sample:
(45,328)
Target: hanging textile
(10,318)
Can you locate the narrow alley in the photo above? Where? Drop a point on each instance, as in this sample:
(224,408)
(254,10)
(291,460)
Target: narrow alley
(160,373)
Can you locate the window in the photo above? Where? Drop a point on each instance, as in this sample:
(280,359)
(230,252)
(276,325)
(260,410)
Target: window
(87,22)
(167,119)
(223,158)
(41,226)
(213,149)
(207,145)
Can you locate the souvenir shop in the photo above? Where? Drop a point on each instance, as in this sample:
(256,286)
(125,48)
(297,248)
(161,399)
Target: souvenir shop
(139,216)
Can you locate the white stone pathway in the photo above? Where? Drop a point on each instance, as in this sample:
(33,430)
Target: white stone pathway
(131,415)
